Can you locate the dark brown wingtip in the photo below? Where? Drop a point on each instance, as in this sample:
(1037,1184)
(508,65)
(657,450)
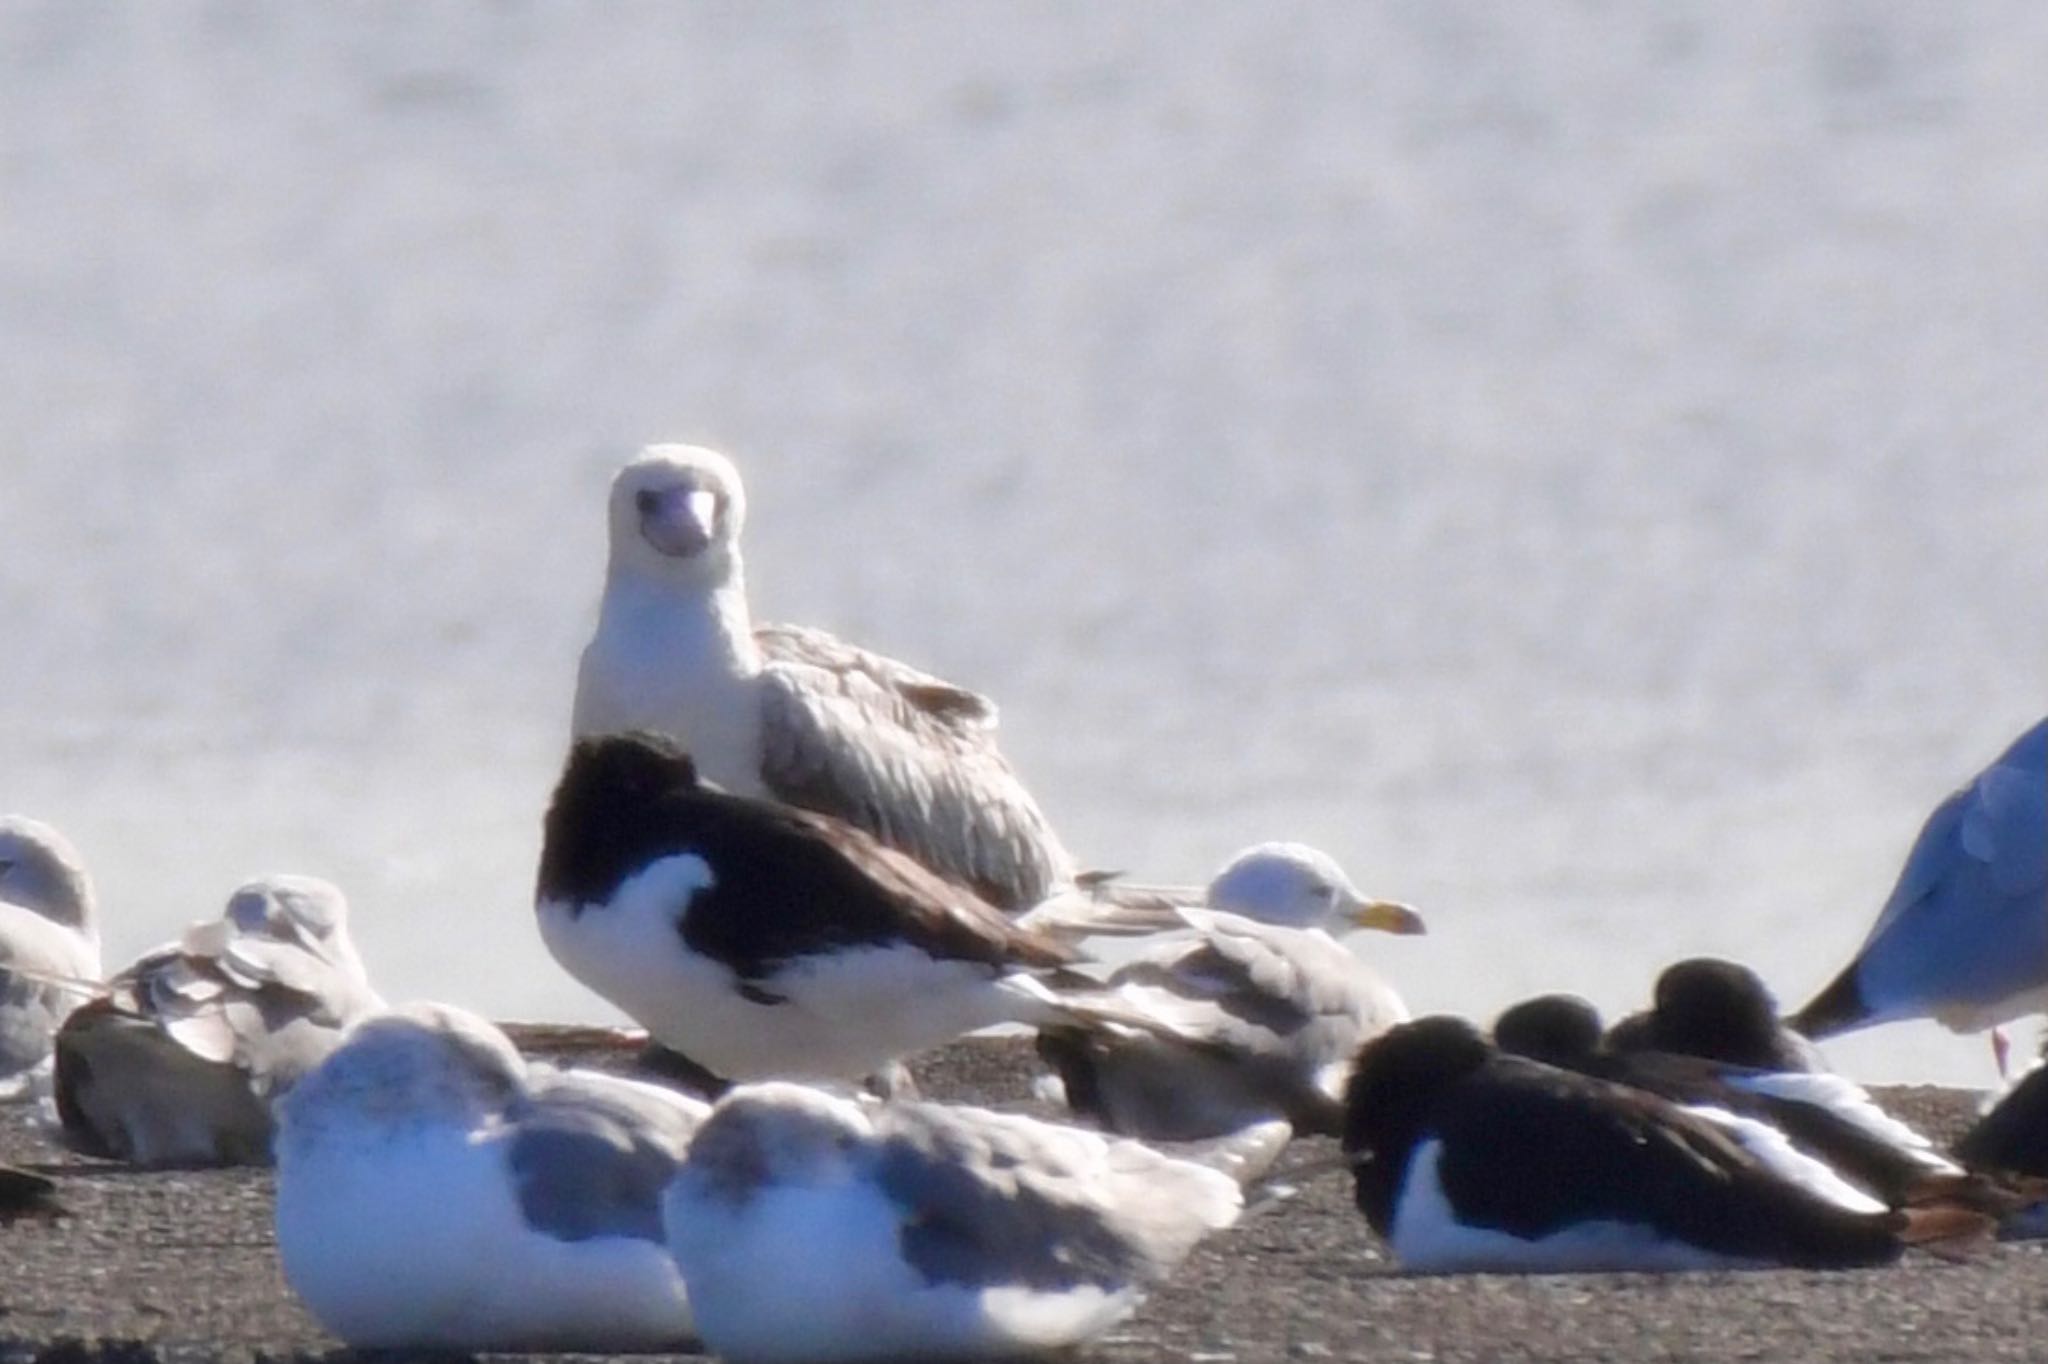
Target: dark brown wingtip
(1838,1008)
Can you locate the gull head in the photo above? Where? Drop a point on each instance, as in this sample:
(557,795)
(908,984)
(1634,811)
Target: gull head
(302,910)
(676,510)
(42,872)
(778,1132)
(414,1066)
(1296,886)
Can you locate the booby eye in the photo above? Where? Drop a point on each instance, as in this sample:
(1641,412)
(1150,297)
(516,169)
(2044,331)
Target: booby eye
(647,501)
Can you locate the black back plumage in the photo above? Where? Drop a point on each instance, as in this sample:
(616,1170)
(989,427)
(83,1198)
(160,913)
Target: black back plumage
(2013,1136)
(1721,1010)
(787,883)
(1531,1150)
(1564,1031)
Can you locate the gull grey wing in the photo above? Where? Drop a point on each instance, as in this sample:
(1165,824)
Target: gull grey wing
(993,1199)
(914,766)
(815,648)
(591,1159)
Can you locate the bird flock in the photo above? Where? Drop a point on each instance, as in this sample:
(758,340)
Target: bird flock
(796,864)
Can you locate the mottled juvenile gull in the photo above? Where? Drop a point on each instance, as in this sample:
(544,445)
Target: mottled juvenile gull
(433,1192)
(179,1061)
(1470,1160)
(1964,937)
(49,945)
(791,713)
(812,1227)
(1829,1117)
(761,940)
(1267,1008)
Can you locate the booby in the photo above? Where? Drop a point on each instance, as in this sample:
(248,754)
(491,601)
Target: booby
(1470,1160)
(179,1061)
(435,1192)
(761,940)
(1963,938)
(49,945)
(1266,1008)
(810,1227)
(791,713)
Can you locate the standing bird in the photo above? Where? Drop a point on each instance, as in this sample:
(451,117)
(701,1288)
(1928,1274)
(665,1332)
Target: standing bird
(1471,1160)
(179,1061)
(49,945)
(1265,1006)
(1964,937)
(790,713)
(435,1192)
(760,940)
(810,1227)
(1721,1010)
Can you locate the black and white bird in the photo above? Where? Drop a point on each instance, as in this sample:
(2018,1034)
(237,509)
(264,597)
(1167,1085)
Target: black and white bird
(1721,1010)
(1827,1116)
(179,1060)
(1963,939)
(434,1191)
(1471,1160)
(813,1227)
(790,713)
(49,946)
(1265,1008)
(760,940)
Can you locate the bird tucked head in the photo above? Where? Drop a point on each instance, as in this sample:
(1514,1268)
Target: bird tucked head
(1400,1075)
(418,1064)
(42,872)
(1559,1030)
(1721,1010)
(676,512)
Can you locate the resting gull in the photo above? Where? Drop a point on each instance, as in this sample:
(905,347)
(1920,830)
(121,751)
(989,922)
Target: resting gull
(1470,1160)
(791,713)
(1964,937)
(49,945)
(433,1192)
(1267,1008)
(761,940)
(178,1062)
(813,1227)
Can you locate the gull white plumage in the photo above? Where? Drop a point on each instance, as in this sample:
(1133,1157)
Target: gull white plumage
(1963,938)
(760,940)
(179,1060)
(49,945)
(433,1191)
(791,713)
(1266,1008)
(811,1227)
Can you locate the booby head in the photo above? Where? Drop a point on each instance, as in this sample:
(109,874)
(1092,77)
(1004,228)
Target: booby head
(676,511)
(1296,886)
(1559,1030)
(415,1064)
(43,873)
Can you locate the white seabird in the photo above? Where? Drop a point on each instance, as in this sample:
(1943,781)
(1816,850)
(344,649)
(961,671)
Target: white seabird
(180,1059)
(433,1191)
(49,945)
(1963,939)
(791,713)
(1266,1008)
(812,1227)
(763,941)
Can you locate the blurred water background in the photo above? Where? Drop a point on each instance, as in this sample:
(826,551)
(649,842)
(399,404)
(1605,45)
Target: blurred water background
(1580,463)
